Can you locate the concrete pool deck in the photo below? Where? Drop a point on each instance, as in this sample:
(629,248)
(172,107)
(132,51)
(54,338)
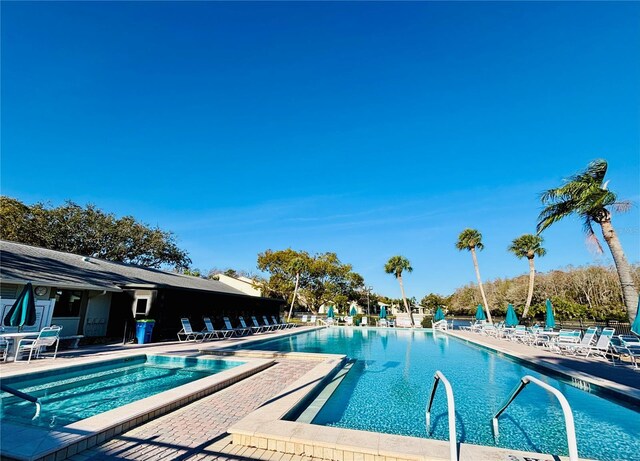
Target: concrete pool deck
(202,430)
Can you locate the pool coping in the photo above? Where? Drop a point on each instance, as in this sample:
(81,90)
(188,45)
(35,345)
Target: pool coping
(620,392)
(25,443)
(266,428)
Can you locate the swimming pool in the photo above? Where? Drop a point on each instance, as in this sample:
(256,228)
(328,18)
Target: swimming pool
(387,389)
(76,393)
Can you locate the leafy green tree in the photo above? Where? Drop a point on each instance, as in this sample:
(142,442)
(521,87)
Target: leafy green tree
(528,246)
(316,280)
(396,265)
(89,231)
(586,195)
(433,300)
(470,239)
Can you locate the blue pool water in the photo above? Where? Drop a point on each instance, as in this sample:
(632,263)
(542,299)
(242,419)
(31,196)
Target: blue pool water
(389,384)
(80,392)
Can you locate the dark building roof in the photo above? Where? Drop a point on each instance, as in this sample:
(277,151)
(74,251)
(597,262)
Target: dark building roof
(24,263)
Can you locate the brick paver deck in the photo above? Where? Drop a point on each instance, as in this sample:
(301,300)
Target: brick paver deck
(198,431)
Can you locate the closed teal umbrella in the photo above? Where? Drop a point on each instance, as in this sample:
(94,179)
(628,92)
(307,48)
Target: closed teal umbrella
(550,322)
(439,315)
(353,311)
(383,313)
(23,311)
(480,313)
(636,323)
(512,318)
(330,313)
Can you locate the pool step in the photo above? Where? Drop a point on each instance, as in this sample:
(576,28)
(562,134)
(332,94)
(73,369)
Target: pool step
(309,414)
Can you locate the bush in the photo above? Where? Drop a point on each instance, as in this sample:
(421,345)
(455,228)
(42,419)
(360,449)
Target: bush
(427,322)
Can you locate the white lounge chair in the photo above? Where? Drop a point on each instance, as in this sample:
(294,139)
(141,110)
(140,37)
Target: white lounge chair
(312,320)
(210,332)
(48,337)
(240,331)
(256,327)
(383,323)
(364,322)
(280,325)
(602,347)
(303,319)
(187,333)
(4,349)
(243,324)
(588,340)
(348,320)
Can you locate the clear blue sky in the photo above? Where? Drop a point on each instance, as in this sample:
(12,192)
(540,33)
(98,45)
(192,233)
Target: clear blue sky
(368,129)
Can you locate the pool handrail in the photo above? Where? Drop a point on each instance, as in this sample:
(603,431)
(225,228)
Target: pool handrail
(23,396)
(566,410)
(451,410)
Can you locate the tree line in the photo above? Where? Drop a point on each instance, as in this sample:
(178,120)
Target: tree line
(316,279)
(88,231)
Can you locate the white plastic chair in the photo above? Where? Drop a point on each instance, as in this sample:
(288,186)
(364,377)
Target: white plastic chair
(187,333)
(48,336)
(210,332)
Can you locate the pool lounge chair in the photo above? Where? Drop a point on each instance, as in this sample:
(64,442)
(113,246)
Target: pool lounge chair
(48,337)
(303,319)
(274,326)
(210,332)
(236,331)
(4,349)
(281,325)
(187,333)
(348,320)
(287,324)
(264,328)
(588,340)
(602,346)
(364,322)
(243,324)
(313,320)
(383,323)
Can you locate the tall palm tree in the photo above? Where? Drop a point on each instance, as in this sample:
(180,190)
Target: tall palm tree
(586,196)
(470,239)
(396,265)
(528,246)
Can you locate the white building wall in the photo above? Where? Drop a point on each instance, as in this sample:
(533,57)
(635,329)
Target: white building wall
(243,284)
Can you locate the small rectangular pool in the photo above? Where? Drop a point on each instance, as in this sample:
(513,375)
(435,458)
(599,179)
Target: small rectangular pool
(75,393)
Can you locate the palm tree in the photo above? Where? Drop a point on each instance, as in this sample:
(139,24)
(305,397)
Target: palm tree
(528,246)
(296,266)
(470,239)
(586,196)
(395,266)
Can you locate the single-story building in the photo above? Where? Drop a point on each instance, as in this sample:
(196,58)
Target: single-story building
(94,297)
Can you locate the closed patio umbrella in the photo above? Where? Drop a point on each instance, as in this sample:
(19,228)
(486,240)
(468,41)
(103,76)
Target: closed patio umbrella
(439,315)
(353,311)
(23,311)
(383,312)
(550,322)
(480,313)
(330,313)
(636,323)
(512,318)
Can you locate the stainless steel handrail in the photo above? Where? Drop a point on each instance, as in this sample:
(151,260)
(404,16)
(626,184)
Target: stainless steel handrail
(23,396)
(566,409)
(451,410)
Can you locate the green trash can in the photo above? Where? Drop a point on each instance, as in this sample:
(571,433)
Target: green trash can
(144,329)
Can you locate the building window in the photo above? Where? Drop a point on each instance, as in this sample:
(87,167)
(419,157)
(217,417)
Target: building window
(141,307)
(68,303)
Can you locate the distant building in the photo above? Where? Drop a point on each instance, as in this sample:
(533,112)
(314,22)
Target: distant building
(94,297)
(243,284)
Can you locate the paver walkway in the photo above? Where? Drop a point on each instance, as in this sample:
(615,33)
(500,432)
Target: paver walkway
(198,431)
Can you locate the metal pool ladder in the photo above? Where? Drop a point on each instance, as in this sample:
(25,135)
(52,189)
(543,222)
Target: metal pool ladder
(23,396)
(566,409)
(451,410)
